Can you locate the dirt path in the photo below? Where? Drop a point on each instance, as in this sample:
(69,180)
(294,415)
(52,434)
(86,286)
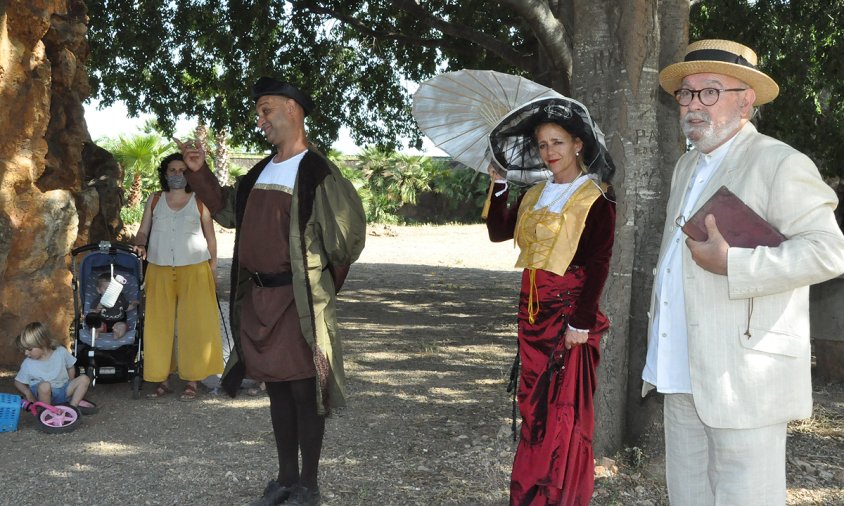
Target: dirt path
(428,319)
(427,316)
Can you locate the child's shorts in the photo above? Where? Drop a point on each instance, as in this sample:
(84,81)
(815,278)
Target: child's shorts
(57,396)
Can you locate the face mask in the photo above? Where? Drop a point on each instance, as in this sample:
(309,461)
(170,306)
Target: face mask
(177,182)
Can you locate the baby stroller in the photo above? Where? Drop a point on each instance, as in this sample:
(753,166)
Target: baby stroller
(98,354)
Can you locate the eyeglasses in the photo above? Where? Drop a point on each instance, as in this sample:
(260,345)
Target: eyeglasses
(707,96)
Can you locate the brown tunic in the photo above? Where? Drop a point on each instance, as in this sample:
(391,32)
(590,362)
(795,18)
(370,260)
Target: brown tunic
(273,345)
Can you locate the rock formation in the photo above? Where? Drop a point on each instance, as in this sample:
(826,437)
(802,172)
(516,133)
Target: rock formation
(49,201)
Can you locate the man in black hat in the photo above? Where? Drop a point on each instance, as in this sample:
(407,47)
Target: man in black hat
(728,343)
(299,226)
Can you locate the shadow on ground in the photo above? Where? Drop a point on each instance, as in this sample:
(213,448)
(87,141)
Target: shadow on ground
(427,355)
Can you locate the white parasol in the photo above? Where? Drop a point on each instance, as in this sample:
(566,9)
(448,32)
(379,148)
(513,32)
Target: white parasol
(458,110)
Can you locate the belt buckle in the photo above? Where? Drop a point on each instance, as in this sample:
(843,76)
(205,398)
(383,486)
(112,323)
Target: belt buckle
(257,279)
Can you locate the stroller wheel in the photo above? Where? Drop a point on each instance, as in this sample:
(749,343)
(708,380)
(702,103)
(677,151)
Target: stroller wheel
(63,419)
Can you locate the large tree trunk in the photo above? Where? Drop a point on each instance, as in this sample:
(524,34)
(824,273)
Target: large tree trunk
(674,29)
(46,202)
(52,197)
(618,49)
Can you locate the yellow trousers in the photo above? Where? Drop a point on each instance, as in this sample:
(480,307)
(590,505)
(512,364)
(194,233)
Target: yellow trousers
(181,301)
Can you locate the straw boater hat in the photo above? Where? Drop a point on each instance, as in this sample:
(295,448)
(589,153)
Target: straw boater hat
(720,57)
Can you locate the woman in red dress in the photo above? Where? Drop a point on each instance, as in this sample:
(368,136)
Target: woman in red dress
(564,228)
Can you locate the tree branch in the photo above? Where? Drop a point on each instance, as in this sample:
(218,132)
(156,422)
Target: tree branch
(503,50)
(549,31)
(453,42)
(367,30)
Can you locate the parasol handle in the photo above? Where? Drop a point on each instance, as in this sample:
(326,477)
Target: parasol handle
(488,201)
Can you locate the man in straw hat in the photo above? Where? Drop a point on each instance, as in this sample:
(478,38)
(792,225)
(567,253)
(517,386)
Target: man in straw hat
(299,226)
(728,340)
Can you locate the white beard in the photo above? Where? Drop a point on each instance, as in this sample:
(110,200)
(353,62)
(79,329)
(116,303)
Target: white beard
(711,135)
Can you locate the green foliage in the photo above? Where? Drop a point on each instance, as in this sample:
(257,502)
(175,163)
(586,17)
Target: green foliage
(132,215)
(389,182)
(198,58)
(461,187)
(139,155)
(235,172)
(799,43)
(400,178)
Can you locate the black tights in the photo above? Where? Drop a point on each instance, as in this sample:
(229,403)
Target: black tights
(296,426)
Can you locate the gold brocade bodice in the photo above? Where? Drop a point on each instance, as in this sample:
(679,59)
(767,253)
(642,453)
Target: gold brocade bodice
(549,240)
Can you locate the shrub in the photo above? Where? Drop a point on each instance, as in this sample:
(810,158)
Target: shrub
(132,215)
(399,188)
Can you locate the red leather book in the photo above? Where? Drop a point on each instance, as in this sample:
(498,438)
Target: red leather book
(739,224)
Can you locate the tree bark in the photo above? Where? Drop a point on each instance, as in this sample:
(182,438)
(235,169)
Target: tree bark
(673,27)
(45,197)
(134,197)
(221,157)
(617,56)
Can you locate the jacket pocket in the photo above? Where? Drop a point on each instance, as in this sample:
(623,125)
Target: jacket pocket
(772,341)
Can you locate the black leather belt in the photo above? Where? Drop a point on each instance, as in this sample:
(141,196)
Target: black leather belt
(265,280)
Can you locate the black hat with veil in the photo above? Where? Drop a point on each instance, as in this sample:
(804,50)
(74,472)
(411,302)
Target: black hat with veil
(514,148)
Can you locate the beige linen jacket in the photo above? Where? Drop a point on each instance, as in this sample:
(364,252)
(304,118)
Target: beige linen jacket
(740,381)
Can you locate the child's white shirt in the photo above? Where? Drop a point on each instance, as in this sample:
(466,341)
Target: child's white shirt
(53,369)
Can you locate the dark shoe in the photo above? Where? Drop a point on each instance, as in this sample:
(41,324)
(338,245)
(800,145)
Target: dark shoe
(274,494)
(303,496)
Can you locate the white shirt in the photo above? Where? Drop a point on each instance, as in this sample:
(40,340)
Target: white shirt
(555,195)
(52,369)
(667,363)
(280,175)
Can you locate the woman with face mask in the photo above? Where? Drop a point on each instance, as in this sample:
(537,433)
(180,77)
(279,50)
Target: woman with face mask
(176,237)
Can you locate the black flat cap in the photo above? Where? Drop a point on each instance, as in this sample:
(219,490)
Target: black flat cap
(270,86)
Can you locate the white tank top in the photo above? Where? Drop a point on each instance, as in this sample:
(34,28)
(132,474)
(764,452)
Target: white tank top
(176,237)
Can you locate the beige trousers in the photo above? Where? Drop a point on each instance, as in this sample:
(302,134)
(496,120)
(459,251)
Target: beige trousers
(705,466)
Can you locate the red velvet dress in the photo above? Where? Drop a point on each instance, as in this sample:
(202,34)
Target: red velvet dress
(554,463)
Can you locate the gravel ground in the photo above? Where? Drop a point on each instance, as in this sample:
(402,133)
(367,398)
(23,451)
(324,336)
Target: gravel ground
(428,321)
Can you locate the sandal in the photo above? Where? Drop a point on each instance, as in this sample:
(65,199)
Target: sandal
(189,393)
(160,391)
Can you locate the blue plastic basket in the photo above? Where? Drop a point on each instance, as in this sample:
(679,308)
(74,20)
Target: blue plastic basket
(10,410)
